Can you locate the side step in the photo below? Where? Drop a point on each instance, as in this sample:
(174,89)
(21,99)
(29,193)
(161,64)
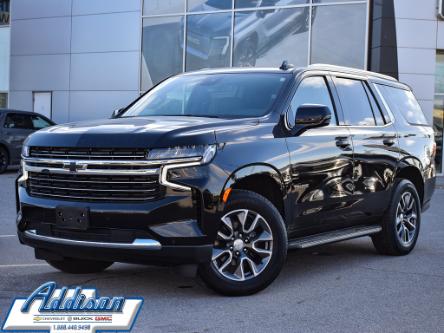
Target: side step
(333,236)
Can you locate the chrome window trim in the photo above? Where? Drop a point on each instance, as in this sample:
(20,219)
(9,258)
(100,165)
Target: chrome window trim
(137,244)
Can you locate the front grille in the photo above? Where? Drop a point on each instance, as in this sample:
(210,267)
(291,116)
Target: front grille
(95,187)
(113,154)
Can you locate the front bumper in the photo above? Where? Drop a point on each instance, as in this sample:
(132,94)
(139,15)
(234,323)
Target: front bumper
(164,232)
(140,251)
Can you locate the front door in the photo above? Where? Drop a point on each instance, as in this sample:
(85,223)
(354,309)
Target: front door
(321,164)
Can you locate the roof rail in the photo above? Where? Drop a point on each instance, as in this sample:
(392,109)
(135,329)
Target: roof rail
(351,71)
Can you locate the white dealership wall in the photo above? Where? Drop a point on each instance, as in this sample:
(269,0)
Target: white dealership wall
(86,52)
(419,35)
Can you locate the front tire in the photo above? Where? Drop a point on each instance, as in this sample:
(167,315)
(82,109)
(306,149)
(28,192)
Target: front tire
(401,223)
(79,266)
(250,249)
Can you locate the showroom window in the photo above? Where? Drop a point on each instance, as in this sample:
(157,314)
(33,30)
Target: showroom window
(188,35)
(4,12)
(4,52)
(3,100)
(438,112)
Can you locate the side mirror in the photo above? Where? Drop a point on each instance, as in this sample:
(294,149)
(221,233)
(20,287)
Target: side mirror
(117,113)
(311,116)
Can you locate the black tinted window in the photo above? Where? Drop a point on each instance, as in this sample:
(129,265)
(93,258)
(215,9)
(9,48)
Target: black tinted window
(19,121)
(312,90)
(405,103)
(355,103)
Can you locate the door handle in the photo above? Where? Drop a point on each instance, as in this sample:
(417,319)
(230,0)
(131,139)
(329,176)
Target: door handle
(343,143)
(388,142)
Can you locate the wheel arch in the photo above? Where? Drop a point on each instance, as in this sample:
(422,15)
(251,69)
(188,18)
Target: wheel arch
(262,179)
(412,172)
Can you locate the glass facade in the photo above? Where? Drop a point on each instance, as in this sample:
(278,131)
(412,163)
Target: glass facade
(4,52)
(186,35)
(4,12)
(438,112)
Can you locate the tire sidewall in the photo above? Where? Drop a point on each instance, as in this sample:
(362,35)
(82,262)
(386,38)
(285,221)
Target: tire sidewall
(249,200)
(402,187)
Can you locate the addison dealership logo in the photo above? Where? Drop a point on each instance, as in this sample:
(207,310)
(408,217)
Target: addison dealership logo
(65,309)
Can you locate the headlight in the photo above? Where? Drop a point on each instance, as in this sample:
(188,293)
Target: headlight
(187,156)
(206,153)
(25,151)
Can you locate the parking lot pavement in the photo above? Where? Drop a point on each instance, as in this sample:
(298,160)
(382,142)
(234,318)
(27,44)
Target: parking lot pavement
(344,287)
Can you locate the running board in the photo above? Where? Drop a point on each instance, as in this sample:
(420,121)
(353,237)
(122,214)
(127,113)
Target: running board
(332,237)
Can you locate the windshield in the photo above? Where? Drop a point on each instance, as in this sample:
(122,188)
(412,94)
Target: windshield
(214,95)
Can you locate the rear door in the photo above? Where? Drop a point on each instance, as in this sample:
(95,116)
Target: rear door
(321,163)
(16,128)
(376,147)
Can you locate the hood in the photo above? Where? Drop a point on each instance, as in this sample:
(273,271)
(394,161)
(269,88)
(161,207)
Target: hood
(137,132)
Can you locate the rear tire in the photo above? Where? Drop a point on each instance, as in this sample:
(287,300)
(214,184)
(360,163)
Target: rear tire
(401,222)
(79,266)
(4,160)
(250,249)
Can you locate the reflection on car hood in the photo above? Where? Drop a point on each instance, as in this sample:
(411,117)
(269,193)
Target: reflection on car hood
(136,132)
(208,25)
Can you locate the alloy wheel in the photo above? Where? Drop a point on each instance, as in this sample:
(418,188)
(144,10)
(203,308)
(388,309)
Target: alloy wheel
(244,245)
(406,219)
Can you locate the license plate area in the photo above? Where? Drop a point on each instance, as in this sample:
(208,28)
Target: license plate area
(72,218)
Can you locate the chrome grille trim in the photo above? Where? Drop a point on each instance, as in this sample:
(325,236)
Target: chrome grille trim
(110,172)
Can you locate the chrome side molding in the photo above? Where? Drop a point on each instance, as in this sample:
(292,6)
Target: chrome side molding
(137,244)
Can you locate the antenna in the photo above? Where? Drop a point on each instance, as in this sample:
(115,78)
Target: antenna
(286,66)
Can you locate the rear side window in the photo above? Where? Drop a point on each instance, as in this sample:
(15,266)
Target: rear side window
(18,121)
(355,103)
(405,103)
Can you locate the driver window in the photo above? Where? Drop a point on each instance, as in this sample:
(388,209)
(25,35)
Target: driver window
(312,90)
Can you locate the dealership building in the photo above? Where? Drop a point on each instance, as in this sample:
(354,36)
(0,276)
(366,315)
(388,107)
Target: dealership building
(81,59)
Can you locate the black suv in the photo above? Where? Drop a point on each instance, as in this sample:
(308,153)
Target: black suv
(228,169)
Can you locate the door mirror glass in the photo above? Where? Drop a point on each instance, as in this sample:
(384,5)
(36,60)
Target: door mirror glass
(311,116)
(117,113)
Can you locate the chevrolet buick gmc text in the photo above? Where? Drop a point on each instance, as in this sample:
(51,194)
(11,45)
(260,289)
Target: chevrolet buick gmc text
(227,169)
